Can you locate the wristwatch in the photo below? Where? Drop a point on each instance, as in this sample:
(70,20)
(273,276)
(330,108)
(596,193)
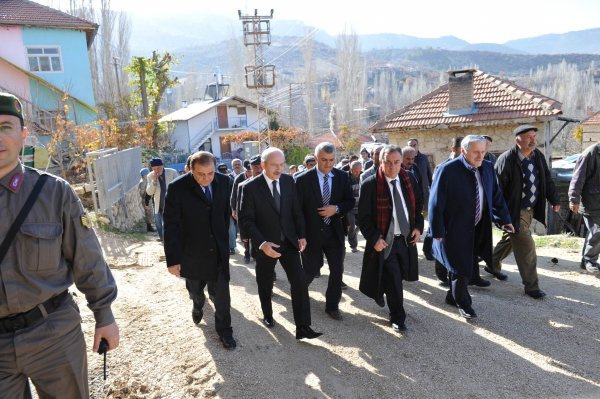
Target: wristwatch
(337,209)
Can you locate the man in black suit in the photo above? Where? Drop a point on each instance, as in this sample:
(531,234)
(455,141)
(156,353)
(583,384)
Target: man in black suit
(390,218)
(325,196)
(253,169)
(196,219)
(270,214)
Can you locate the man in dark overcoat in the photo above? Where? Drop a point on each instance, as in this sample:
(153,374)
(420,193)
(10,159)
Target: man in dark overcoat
(390,219)
(196,217)
(464,200)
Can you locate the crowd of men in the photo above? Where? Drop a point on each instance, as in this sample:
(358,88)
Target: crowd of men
(302,217)
(298,220)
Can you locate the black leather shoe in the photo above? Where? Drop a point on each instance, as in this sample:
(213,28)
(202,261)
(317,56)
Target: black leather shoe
(228,342)
(269,322)
(231,251)
(399,327)
(380,301)
(306,332)
(197,316)
(344,286)
(450,299)
(467,313)
(149,228)
(499,275)
(536,294)
(246,259)
(479,282)
(318,274)
(429,256)
(334,314)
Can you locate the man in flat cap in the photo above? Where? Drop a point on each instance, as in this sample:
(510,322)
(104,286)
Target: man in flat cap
(526,183)
(156,188)
(41,256)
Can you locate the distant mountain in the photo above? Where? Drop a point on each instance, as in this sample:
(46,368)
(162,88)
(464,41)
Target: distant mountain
(178,31)
(582,42)
(492,47)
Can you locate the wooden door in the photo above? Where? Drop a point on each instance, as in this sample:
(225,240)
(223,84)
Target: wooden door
(225,148)
(222,117)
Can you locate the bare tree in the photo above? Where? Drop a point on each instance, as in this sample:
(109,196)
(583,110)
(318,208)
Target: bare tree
(309,82)
(351,77)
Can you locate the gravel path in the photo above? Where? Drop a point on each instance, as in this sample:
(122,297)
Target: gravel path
(517,348)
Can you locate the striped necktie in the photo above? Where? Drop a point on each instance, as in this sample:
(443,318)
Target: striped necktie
(477,199)
(326,197)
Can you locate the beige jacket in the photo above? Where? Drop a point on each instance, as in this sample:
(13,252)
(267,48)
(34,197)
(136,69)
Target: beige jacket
(153,187)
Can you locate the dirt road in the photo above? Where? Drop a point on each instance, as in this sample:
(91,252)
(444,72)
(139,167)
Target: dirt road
(517,348)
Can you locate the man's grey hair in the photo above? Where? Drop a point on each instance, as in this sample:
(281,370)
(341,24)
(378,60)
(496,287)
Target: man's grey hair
(325,146)
(264,156)
(355,163)
(388,149)
(408,149)
(471,138)
(236,160)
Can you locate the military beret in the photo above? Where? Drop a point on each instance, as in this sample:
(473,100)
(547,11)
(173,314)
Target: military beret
(524,129)
(144,172)
(364,150)
(156,162)
(10,105)
(255,160)
(488,138)
(309,158)
(246,164)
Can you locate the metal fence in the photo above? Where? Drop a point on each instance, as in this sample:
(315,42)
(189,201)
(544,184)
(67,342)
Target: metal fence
(113,174)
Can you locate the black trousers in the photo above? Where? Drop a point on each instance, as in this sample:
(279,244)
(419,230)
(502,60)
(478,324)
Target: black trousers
(459,284)
(290,261)
(335,253)
(392,280)
(220,290)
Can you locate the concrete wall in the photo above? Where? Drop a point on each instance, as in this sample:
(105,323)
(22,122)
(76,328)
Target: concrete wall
(591,135)
(128,211)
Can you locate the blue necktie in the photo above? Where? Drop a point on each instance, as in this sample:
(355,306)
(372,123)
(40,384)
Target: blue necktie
(208,193)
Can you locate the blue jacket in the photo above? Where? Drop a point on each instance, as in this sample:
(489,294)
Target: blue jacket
(452,214)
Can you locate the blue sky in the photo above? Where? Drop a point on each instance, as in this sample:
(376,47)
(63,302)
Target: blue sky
(474,21)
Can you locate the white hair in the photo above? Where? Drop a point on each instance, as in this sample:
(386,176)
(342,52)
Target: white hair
(408,149)
(236,160)
(355,164)
(471,138)
(264,156)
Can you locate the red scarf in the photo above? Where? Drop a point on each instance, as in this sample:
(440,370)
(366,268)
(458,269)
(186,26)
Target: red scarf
(384,201)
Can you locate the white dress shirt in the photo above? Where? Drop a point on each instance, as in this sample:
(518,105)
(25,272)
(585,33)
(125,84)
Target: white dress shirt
(397,230)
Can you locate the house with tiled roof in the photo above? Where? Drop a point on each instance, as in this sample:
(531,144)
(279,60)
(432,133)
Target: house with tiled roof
(472,102)
(591,130)
(44,58)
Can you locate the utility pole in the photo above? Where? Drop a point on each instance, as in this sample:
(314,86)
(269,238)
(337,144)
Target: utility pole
(116,65)
(257,33)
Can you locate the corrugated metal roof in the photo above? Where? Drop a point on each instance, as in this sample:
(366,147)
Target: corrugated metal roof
(495,99)
(197,108)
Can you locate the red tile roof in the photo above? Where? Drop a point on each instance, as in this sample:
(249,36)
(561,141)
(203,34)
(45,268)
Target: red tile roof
(328,136)
(592,120)
(29,13)
(495,99)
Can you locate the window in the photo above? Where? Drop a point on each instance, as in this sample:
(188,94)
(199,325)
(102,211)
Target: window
(241,110)
(44,59)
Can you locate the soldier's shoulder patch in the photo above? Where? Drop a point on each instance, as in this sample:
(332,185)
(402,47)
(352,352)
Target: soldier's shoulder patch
(15,182)
(85,221)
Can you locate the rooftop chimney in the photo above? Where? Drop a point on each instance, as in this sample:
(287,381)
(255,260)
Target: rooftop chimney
(460,92)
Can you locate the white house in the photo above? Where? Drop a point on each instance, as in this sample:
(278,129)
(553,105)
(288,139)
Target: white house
(202,125)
